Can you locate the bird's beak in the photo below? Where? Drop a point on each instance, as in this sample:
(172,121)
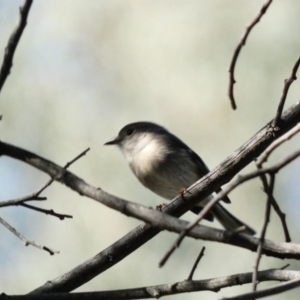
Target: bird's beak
(116,141)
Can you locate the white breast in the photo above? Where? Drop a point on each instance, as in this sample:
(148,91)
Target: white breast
(146,154)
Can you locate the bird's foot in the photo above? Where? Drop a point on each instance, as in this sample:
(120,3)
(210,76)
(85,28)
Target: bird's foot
(160,206)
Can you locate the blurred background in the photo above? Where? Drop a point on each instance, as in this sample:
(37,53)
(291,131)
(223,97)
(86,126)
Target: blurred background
(83,70)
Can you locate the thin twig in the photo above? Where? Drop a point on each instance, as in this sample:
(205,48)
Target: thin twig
(263,231)
(13,42)
(265,155)
(282,219)
(287,84)
(201,254)
(50,212)
(277,209)
(25,240)
(236,53)
(76,158)
(284,267)
(18,201)
(60,175)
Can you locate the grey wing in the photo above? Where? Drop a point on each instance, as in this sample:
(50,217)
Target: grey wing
(201,168)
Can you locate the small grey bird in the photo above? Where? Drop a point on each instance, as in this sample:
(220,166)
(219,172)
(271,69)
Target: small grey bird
(165,165)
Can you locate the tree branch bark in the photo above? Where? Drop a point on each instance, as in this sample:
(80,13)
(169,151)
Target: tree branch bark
(212,284)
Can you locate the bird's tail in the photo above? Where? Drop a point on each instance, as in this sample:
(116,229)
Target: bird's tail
(229,221)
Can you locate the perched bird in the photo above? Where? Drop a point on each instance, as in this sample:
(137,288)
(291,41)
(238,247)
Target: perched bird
(165,165)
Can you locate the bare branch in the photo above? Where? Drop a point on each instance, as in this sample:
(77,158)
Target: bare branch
(264,157)
(25,240)
(83,153)
(50,212)
(287,84)
(280,288)
(263,231)
(277,209)
(35,196)
(236,53)
(212,284)
(18,201)
(13,42)
(201,254)
(130,242)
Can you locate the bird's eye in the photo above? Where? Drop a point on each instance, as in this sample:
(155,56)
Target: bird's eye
(129,131)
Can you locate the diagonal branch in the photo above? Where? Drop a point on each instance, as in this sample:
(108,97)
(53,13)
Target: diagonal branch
(25,240)
(201,254)
(13,42)
(277,209)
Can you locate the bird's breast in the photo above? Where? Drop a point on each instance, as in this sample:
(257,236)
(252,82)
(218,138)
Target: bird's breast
(146,159)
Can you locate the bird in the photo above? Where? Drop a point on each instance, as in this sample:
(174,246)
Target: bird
(166,165)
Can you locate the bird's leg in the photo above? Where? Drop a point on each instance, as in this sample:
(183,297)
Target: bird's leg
(160,206)
(181,192)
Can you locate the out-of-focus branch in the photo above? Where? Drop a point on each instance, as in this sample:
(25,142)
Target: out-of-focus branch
(13,42)
(238,49)
(24,239)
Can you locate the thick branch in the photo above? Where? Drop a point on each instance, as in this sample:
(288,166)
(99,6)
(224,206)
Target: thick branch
(213,285)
